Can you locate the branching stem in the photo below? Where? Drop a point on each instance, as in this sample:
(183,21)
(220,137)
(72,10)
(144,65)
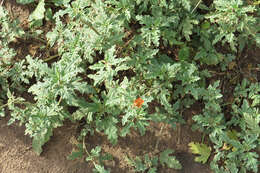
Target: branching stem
(50,58)
(196,6)
(90,25)
(157,142)
(84,147)
(2,2)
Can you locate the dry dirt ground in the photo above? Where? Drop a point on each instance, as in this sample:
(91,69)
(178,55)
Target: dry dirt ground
(17,156)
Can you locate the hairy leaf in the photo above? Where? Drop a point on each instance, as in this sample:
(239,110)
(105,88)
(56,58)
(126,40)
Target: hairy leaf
(202,149)
(170,161)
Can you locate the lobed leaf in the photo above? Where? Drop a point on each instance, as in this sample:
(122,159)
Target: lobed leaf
(202,149)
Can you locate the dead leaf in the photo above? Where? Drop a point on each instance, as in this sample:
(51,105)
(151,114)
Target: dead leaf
(231,65)
(33,49)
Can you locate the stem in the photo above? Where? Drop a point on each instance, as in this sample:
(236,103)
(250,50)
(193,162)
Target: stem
(179,134)
(3,105)
(37,38)
(15,101)
(157,142)
(126,44)
(257,3)
(256,69)
(218,73)
(50,58)
(84,147)
(89,25)
(59,100)
(153,89)
(229,103)
(203,136)
(196,6)
(2,2)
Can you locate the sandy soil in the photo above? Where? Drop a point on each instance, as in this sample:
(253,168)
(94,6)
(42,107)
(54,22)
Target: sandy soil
(17,156)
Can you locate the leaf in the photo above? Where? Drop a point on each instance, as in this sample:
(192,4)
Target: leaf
(226,147)
(95,152)
(205,25)
(252,123)
(75,154)
(110,129)
(232,134)
(24,1)
(100,169)
(141,126)
(126,129)
(38,13)
(52,37)
(170,161)
(201,149)
(139,165)
(251,160)
(106,156)
(257,39)
(60,2)
(126,117)
(49,14)
(152,170)
(2,112)
(164,101)
(187,27)
(184,53)
(111,133)
(39,140)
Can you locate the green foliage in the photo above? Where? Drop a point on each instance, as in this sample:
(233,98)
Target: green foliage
(170,161)
(108,68)
(234,149)
(9,68)
(231,17)
(40,139)
(150,164)
(111,53)
(202,149)
(95,156)
(212,117)
(25,1)
(246,118)
(38,14)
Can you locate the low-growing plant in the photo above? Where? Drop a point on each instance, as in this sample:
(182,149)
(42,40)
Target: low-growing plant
(201,149)
(235,140)
(12,74)
(93,156)
(114,58)
(151,164)
(235,23)
(41,10)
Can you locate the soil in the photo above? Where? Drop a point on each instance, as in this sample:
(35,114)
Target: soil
(17,156)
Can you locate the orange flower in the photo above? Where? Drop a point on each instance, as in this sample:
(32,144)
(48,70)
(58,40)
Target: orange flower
(138,102)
